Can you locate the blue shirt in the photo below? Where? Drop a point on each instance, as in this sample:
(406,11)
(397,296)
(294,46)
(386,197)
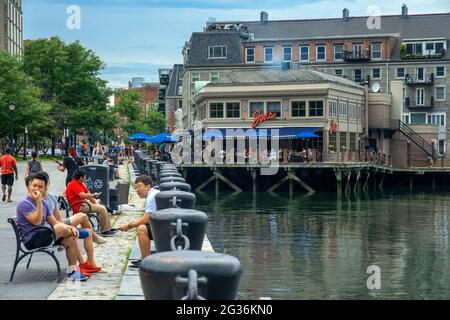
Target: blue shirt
(26,207)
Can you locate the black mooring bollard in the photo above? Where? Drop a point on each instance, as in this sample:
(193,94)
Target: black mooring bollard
(194,275)
(175,199)
(171,179)
(170,174)
(193,225)
(175,185)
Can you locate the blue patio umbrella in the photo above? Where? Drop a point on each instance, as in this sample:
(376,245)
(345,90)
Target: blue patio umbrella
(139,136)
(306,135)
(163,137)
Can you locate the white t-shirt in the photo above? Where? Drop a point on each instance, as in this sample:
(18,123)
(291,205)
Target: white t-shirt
(150,205)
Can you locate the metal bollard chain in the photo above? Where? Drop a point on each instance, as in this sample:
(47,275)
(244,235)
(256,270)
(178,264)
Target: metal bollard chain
(192,283)
(179,242)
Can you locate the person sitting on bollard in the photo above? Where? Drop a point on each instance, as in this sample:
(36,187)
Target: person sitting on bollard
(33,213)
(144,189)
(76,191)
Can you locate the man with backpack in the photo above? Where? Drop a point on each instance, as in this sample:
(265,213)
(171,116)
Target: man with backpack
(72,163)
(34,166)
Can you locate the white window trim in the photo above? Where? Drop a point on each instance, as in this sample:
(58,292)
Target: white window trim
(250,116)
(306,108)
(270,100)
(435,73)
(209,51)
(317,52)
(424,97)
(265,60)
(417,73)
(381,51)
(373,77)
(330,110)
(209,110)
(300,53)
(286,47)
(225,110)
(344,116)
(334,53)
(323,109)
(435,93)
(246,55)
(192,76)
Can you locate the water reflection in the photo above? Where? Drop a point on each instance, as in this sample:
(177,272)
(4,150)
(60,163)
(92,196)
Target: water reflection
(319,246)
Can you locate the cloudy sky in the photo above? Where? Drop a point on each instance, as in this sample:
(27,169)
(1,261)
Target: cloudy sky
(136,37)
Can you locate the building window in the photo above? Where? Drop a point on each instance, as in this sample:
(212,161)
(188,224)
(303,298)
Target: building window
(304,53)
(400,72)
(343,110)
(316,108)
(287,54)
(268,54)
(420,74)
(358,75)
(420,97)
(254,106)
(338,51)
(376,51)
(298,108)
(406,119)
(233,110)
(195,76)
(217,52)
(213,76)
(441,147)
(440,93)
(339,72)
(343,141)
(332,109)
(320,53)
(274,107)
(440,71)
(249,55)
(376,73)
(216,110)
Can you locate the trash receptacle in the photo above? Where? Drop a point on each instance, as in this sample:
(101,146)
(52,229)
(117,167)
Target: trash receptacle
(97,180)
(124,191)
(113,199)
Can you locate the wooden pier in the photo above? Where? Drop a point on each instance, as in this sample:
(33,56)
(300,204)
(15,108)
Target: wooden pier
(342,178)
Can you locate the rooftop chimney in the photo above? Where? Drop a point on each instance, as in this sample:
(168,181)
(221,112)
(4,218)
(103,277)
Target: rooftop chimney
(345,14)
(404,11)
(264,17)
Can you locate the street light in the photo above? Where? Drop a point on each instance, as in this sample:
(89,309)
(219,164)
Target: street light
(12,108)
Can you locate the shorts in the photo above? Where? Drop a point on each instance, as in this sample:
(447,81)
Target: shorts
(150,235)
(8,179)
(41,238)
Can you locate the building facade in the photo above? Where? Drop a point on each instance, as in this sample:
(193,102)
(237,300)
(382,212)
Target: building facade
(406,49)
(11,27)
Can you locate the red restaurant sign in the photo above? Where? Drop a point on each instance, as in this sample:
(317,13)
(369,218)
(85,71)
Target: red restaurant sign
(259,118)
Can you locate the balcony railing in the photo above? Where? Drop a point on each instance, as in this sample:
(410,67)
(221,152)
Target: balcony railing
(428,104)
(410,81)
(352,56)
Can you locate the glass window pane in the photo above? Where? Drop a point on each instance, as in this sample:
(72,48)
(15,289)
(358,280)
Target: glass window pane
(254,106)
(298,109)
(316,108)
(274,107)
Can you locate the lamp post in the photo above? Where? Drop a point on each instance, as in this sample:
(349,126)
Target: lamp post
(12,108)
(25,143)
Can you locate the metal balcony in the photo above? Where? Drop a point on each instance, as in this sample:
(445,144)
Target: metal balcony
(351,56)
(427,105)
(410,81)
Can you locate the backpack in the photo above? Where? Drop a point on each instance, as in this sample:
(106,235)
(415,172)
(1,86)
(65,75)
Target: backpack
(35,167)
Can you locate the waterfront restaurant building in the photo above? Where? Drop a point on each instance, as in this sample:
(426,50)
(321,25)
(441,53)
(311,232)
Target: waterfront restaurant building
(304,102)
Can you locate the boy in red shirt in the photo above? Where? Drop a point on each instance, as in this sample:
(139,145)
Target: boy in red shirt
(9,167)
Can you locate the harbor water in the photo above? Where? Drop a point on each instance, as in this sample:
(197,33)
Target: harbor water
(321,247)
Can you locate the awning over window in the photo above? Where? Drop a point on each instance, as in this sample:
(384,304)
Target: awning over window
(280,133)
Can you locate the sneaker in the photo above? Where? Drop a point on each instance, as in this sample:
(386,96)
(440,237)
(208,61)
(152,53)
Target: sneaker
(109,233)
(76,276)
(85,273)
(99,240)
(89,268)
(4,198)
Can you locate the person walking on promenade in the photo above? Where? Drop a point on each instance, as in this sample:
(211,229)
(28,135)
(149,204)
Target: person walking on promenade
(144,189)
(34,165)
(9,166)
(72,163)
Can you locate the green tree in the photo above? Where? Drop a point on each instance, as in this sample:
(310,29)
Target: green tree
(16,86)
(69,78)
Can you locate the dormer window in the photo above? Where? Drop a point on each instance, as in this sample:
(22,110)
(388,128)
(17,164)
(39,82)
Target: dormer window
(217,52)
(250,55)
